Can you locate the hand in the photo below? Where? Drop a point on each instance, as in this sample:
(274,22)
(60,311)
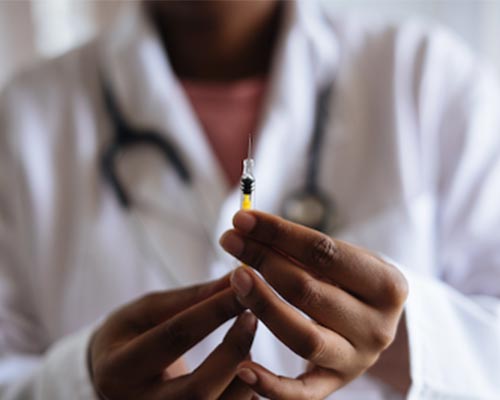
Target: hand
(133,354)
(354,300)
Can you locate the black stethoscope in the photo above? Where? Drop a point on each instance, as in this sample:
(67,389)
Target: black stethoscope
(309,206)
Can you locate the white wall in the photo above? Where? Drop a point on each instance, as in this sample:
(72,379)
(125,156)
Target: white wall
(476,21)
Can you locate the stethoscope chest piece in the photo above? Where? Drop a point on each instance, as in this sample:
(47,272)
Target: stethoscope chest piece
(311,206)
(313,209)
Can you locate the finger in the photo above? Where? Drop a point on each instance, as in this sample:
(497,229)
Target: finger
(217,372)
(237,390)
(355,269)
(154,308)
(327,304)
(157,348)
(315,384)
(306,338)
(226,357)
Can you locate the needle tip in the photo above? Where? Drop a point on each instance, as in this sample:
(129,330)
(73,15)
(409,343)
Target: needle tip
(249,155)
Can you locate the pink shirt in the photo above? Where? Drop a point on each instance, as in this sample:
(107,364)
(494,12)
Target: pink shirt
(228,113)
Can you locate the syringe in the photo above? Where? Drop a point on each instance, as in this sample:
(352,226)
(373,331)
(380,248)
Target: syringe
(247,181)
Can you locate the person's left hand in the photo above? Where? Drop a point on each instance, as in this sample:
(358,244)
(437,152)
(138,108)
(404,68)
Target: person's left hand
(353,298)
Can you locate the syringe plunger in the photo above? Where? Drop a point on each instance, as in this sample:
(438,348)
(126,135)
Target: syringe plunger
(247,180)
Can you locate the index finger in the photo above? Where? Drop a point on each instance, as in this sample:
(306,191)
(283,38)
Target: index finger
(214,376)
(156,307)
(354,269)
(157,348)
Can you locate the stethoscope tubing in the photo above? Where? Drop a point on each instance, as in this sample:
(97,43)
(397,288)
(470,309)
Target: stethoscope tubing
(125,137)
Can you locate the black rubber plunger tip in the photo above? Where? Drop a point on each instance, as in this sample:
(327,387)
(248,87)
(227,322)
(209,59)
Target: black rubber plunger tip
(247,185)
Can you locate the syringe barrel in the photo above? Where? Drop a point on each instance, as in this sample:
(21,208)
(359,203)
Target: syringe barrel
(247,201)
(247,167)
(247,184)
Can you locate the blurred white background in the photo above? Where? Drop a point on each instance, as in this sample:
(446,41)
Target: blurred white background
(33,29)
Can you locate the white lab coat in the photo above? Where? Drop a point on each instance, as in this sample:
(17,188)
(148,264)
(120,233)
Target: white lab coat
(411,158)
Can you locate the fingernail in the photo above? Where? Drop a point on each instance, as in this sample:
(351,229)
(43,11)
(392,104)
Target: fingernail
(247,376)
(242,282)
(244,221)
(249,322)
(232,243)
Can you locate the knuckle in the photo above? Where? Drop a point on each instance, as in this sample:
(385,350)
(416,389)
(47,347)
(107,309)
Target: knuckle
(276,231)
(175,335)
(308,294)
(395,289)
(256,255)
(314,346)
(381,337)
(324,251)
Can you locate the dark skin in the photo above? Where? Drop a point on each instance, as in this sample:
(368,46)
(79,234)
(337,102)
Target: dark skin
(136,353)
(220,40)
(353,299)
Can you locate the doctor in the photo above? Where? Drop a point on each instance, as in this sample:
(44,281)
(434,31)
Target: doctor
(98,300)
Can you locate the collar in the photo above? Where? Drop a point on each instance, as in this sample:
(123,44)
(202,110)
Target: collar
(141,75)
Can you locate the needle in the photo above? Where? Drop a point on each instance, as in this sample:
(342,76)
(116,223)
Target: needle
(249,154)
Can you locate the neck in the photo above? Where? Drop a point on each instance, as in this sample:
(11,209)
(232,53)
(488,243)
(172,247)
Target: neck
(217,40)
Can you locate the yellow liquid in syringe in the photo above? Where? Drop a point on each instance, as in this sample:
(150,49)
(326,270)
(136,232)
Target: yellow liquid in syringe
(246,202)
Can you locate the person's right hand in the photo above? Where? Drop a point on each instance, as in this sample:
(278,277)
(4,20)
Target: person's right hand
(130,353)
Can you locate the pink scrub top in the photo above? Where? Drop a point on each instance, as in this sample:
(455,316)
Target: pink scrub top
(228,112)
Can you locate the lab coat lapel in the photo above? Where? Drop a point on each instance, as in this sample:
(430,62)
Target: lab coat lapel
(152,97)
(149,95)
